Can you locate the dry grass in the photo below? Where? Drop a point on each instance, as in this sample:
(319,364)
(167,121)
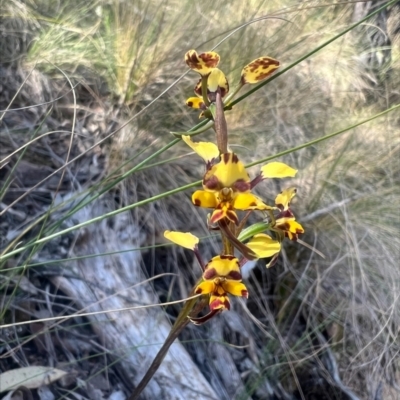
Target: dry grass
(307,319)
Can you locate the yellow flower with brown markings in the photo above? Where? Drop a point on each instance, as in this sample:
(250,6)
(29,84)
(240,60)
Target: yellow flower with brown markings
(202,63)
(258,70)
(289,227)
(226,189)
(221,277)
(206,65)
(285,222)
(227,185)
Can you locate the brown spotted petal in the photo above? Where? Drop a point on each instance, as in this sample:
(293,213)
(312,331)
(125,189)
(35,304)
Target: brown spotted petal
(259,69)
(291,228)
(195,102)
(201,198)
(202,63)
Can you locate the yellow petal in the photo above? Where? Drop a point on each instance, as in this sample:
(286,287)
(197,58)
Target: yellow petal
(205,287)
(206,150)
(186,240)
(283,199)
(224,212)
(201,198)
(259,69)
(219,302)
(224,266)
(235,288)
(229,170)
(296,227)
(217,79)
(247,201)
(195,102)
(264,246)
(277,170)
(202,63)
(289,225)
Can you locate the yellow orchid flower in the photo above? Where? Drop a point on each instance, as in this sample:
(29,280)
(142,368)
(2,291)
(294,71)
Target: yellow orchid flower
(285,222)
(227,185)
(289,226)
(206,65)
(222,277)
(226,189)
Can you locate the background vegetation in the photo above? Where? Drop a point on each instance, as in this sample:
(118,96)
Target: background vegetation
(103,83)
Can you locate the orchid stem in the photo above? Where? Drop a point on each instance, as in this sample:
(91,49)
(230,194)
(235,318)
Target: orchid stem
(181,322)
(221,128)
(175,331)
(204,93)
